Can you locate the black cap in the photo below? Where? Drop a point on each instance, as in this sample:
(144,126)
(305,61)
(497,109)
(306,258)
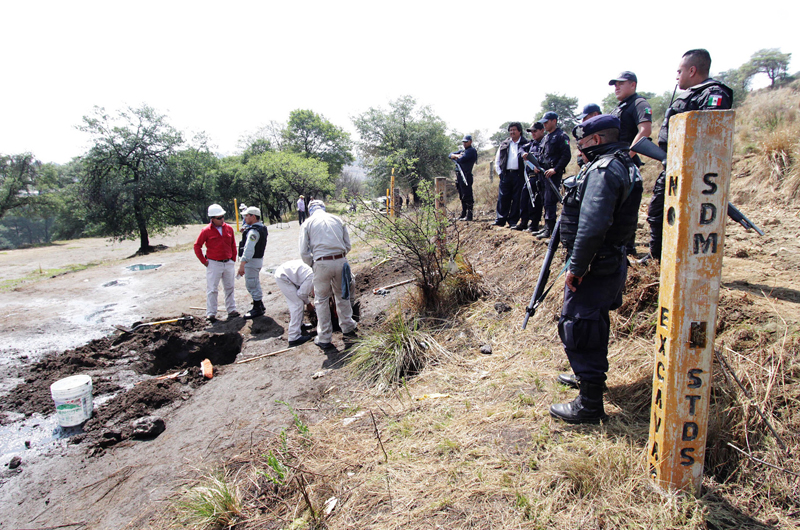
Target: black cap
(550,115)
(624,76)
(467,138)
(595,124)
(588,109)
(537,126)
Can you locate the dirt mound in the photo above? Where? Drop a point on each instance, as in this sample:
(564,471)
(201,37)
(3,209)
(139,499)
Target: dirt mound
(122,368)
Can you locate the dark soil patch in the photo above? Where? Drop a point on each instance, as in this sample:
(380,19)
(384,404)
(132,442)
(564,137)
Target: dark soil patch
(122,365)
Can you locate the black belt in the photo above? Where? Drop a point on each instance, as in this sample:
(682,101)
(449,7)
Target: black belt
(326,258)
(220,260)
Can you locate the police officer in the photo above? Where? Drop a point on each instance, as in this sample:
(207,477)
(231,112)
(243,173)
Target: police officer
(589,111)
(599,215)
(701,93)
(465,158)
(509,166)
(555,156)
(531,210)
(635,120)
(251,253)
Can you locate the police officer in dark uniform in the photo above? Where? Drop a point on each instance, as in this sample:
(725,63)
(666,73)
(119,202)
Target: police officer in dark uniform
(701,93)
(635,120)
(599,215)
(555,157)
(465,158)
(509,166)
(531,208)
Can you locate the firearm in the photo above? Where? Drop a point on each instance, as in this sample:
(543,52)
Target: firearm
(646,147)
(540,293)
(460,173)
(533,163)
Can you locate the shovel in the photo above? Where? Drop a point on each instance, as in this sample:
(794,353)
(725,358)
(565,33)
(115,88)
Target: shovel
(134,328)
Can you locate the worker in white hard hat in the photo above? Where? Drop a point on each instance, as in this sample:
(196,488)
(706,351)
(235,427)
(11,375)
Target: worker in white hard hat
(251,255)
(219,260)
(296,281)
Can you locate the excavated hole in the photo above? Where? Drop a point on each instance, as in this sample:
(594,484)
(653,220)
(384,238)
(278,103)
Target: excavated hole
(183,351)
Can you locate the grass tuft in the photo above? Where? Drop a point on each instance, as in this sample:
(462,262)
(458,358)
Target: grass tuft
(213,504)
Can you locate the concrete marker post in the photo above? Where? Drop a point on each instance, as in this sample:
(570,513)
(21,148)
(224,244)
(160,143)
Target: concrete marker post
(695,211)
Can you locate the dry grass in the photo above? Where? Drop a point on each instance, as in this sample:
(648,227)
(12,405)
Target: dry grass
(467,442)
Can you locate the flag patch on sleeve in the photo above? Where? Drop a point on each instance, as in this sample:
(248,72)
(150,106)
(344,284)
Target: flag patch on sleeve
(714,101)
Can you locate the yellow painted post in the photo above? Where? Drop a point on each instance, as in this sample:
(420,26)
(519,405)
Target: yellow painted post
(392,196)
(236,209)
(388,206)
(695,210)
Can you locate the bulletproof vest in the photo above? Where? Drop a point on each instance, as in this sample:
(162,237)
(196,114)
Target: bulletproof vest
(262,241)
(628,117)
(625,214)
(691,99)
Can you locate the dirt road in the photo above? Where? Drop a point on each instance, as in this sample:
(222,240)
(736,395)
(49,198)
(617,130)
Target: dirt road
(59,483)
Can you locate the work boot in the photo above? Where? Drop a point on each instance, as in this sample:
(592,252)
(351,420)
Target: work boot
(544,233)
(568,379)
(586,408)
(533,229)
(469,216)
(257,311)
(520,226)
(462,216)
(302,340)
(498,222)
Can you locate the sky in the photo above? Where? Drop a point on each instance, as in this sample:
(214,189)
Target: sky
(228,68)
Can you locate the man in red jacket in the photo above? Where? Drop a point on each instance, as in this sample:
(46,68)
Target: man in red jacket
(219,261)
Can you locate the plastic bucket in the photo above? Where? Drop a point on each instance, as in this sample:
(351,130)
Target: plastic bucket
(73,398)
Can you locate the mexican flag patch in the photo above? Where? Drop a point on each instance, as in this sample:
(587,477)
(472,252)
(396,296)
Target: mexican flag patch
(714,101)
(648,112)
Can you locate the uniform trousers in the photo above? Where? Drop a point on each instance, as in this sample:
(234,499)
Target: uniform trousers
(511,182)
(465,192)
(531,211)
(215,272)
(584,324)
(327,283)
(252,281)
(295,302)
(655,215)
(551,201)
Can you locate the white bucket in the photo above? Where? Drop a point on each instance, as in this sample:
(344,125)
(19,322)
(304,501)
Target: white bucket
(73,398)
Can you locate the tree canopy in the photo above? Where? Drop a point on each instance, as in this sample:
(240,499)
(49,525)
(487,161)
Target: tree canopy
(566,107)
(769,61)
(135,178)
(409,139)
(18,180)
(311,135)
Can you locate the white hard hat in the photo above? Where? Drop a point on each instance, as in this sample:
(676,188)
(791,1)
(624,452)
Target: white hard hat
(215,210)
(252,210)
(242,207)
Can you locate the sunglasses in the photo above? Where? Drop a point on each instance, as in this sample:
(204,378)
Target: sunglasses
(219,217)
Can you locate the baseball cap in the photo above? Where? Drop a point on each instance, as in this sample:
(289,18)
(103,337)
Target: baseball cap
(550,115)
(624,76)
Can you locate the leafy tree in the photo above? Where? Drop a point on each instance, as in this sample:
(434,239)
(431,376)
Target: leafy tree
(18,179)
(131,184)
(566,108)
(768,61)
(609,103)
(274,180)
(409,139)
(502,133)
(313,136)
(267,138)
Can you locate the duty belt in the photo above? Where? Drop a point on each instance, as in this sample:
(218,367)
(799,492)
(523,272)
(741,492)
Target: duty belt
(335,256)
(220,260)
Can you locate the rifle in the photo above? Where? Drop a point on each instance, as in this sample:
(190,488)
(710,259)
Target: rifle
(539,292)
(533,164)
(646,147)
(460,172)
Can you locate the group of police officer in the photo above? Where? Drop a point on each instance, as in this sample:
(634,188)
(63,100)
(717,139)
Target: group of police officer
(599,211)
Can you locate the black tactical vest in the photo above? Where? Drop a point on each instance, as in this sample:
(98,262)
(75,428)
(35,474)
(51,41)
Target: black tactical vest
(625,214)
(692,99)
(262,241)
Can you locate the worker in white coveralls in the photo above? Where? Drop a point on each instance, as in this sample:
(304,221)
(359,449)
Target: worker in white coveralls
(324,242)
(296,281)
(251,252)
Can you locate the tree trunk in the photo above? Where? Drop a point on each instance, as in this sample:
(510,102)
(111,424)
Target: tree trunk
(141,222)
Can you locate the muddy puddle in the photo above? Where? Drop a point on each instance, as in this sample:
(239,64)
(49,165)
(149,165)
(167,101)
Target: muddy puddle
(134,375)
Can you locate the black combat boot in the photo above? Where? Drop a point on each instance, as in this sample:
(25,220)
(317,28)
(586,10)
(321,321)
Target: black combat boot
(257,311)
(569,379)
(463,215)
(520,226)
(586,408)
(469,216)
